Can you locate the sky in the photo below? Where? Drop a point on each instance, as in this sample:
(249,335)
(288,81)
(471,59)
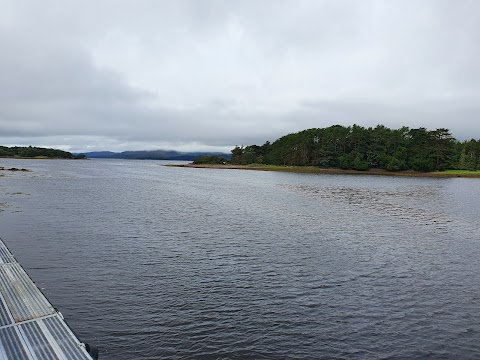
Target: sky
(206,75)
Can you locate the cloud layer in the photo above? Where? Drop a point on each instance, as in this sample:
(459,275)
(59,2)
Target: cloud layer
(207,75)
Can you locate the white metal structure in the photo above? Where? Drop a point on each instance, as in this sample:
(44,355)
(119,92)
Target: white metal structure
(30,327)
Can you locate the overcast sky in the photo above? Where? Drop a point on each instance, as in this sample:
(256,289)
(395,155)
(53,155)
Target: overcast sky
(210,74)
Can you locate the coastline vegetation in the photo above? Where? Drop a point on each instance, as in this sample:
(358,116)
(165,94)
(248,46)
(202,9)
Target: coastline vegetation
(361,149)
(210,159)
(22,152)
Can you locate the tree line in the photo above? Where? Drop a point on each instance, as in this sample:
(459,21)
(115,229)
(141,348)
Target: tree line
(359,148)
(33,152)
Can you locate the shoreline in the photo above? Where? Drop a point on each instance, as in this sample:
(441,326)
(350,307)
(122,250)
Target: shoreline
(315,170)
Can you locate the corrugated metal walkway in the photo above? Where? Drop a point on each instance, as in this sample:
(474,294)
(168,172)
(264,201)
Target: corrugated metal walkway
(30,328)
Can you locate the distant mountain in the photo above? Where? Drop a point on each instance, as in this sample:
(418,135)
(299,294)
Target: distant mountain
(152,155)
(99,154)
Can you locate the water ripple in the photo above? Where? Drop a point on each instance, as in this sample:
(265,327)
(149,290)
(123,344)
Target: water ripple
(151,262)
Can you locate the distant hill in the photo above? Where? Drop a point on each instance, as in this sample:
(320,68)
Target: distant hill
(99,154)
(152,155)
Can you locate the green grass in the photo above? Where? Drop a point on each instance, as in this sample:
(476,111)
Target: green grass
(461,172)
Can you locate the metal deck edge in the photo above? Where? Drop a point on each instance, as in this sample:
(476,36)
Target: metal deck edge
(62,341)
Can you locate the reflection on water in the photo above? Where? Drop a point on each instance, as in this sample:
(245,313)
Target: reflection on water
(150,262)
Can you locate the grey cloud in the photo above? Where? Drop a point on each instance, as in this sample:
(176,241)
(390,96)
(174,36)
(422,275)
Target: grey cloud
(219,73)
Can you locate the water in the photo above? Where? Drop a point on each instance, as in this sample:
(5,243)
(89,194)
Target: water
(152,262)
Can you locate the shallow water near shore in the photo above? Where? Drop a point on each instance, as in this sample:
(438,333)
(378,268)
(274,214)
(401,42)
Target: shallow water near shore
(152,262)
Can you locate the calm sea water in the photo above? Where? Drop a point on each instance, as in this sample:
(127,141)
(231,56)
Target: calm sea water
(153,262)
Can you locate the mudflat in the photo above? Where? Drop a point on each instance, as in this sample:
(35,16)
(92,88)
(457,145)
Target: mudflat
(315,170)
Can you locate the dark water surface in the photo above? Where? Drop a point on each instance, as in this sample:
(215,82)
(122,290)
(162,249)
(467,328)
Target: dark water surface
(152,262)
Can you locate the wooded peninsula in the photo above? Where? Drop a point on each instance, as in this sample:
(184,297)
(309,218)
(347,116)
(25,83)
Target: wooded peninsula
(359,148)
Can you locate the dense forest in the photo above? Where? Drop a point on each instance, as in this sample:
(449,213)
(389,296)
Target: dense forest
(359,148)
(36,152)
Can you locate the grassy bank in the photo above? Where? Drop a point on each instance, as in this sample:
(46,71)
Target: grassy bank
(462,172)
(315,170)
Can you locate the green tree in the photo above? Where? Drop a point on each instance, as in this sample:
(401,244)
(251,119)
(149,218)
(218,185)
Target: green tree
(359,163)
(237,155)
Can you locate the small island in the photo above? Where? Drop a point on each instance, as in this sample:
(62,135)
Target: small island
(358,150)
(30,152)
